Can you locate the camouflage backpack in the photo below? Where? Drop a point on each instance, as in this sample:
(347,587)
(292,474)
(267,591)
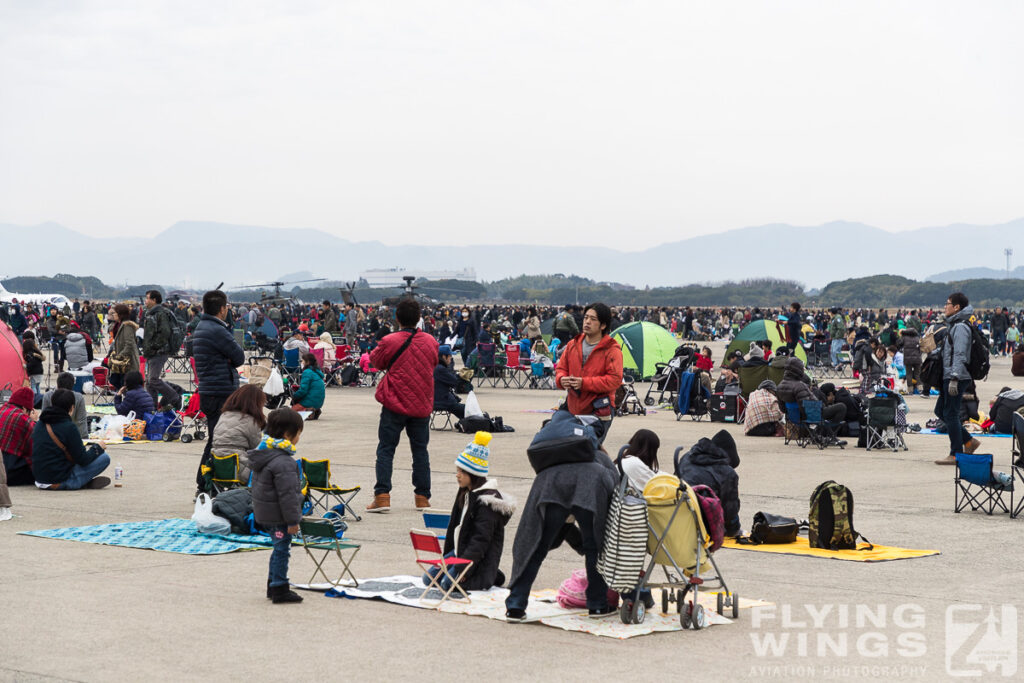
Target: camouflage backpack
(830,522)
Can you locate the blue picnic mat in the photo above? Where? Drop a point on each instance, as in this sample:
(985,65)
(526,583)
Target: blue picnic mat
(167,535)
(932,432)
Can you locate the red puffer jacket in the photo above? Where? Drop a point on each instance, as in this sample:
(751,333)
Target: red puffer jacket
(602,373)
(408,387)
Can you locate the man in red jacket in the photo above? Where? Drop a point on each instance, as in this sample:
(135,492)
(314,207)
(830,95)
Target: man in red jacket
(590,369)
(407,396)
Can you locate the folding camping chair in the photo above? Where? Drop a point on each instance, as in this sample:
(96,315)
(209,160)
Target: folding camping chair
(541,377)
(437,520)
(975,486)
(436,416)
(820,432)
(510,372)
(224,473)
(430,556)
(101,386)
(881,427)
(322,493)
(1017,465)
(795,430)
(321,535)
(489,370)
(291,365)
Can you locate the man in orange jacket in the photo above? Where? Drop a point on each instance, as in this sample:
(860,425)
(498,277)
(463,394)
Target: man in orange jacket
(590,369)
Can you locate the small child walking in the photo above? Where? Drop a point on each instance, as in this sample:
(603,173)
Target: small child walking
(277,495)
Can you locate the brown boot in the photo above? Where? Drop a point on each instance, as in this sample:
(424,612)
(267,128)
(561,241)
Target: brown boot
(948,460)
(422,503)
(381,503)
(971,445)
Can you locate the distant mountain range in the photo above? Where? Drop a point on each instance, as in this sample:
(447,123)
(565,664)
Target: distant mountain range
(976,274)
(202,254)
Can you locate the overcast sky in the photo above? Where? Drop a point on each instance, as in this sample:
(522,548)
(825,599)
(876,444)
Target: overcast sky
(619,123)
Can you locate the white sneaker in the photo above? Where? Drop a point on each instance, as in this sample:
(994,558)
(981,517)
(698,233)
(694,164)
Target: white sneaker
(5,514)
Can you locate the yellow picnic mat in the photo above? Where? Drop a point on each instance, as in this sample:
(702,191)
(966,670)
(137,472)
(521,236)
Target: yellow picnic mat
(879,553)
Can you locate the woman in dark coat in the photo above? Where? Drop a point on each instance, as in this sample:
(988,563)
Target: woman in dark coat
(713,462)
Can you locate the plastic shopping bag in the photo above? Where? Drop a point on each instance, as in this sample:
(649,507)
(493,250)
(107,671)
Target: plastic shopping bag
(207,522)
(274,385)
(111,427)
(472,405)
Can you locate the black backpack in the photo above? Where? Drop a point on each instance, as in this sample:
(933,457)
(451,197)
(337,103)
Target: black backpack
(177,333)
(978,360)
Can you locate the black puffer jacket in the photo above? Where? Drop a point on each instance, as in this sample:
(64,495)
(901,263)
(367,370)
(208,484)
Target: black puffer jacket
(712,466)
(793,388)
(910,340)
(276,496)
(234,505)
(217,355)
(481,534)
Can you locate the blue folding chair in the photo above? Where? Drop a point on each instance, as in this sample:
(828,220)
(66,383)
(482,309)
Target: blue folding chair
(291,364)
(975,485)
(795,429)
(437,520)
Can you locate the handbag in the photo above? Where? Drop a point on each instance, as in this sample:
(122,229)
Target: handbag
(771,529)
(625,539)
(119,364)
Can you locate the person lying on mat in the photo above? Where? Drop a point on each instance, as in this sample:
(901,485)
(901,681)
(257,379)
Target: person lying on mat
(445,384)
(476,530)
(133,397)
(60,461)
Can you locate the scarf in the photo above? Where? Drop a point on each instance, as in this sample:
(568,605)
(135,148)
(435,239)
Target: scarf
(270,442)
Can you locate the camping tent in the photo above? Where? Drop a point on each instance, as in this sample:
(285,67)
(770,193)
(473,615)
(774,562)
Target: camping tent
(12,364)
(761,330)
(644,344)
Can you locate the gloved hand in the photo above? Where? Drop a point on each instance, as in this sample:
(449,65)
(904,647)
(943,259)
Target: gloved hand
(954,387)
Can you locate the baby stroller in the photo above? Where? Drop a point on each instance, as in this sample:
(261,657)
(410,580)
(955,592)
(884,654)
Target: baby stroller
(666,378)
(678,541)
(693,399)
(626,400)
(189,423)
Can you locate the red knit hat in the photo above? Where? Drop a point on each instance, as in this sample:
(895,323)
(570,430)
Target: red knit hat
(23,398)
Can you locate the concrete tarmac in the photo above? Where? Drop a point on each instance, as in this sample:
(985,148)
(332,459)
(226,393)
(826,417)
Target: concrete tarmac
(82,612)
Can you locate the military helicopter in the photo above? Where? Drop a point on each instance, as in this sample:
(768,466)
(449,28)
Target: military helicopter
(408,292)
(278,298)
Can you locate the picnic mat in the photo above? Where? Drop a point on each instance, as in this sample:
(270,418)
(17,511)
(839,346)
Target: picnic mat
(101,409)
(932,432)
(167,535)
(542,607)
(880,553)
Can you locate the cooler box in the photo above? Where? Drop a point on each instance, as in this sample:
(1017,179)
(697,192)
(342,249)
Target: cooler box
(727,408)
(80,379)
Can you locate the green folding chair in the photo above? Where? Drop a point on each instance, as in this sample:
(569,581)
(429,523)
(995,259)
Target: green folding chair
(320,535)
(321,493)
(224,473)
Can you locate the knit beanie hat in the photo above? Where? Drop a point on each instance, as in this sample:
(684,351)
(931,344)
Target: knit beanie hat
(23,398)
(769,385)
(474,460)
(756,351)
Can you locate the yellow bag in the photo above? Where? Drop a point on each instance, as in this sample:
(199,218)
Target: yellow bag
(135,430)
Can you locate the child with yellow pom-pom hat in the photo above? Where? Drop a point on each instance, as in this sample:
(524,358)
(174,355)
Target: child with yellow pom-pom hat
(477,528)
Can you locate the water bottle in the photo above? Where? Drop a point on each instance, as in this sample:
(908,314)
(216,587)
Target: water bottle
(118,475)
(1002,478)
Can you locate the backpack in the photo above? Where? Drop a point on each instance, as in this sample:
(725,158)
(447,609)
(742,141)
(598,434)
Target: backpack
(711,513)
(562,439)
(978,360)
(830,521)
(177,334)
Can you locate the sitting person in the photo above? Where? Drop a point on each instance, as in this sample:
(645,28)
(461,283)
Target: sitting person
(763,416)
(16,427)
(60,461)
(476,530)
(830,395)
(312,388)
(66,380)
(445,384)
(582,490)
(330,349)
(133,397)
(77,348)
(296,341)
(640,461)
(704,365)
(755,357)
(713,462)
(240,426)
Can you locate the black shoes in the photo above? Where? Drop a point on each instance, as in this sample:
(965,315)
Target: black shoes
(98,483)
(283,593)
(604,611)
(515,616)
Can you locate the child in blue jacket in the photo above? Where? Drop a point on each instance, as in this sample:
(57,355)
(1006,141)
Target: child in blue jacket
(311,391)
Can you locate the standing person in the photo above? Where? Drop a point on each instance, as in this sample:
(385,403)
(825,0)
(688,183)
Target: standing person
(217,354)
(406,395)
(351,327)
(533,332)
(956,380)
(910,342)
(837,333)
(564,327)
(34,358)
(793,327)
(277,496)
(590,369)
(156,347)
(1000,323)
(329,317)
(124,350)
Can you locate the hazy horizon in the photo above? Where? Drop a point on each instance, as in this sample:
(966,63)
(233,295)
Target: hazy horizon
(459,122)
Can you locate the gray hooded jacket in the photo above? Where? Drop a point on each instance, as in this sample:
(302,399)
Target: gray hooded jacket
(956,348)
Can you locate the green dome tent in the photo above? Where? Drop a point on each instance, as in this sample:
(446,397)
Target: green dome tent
(761,330)
(644,344)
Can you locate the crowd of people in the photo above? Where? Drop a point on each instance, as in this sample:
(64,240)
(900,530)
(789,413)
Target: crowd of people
(415,345)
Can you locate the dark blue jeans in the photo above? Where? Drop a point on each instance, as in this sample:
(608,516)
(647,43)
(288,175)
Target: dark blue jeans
(554,520)
(279,555)
(388,432)
(82,475)
(947,409)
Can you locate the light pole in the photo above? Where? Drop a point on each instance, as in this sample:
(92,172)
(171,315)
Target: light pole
(1009,253)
